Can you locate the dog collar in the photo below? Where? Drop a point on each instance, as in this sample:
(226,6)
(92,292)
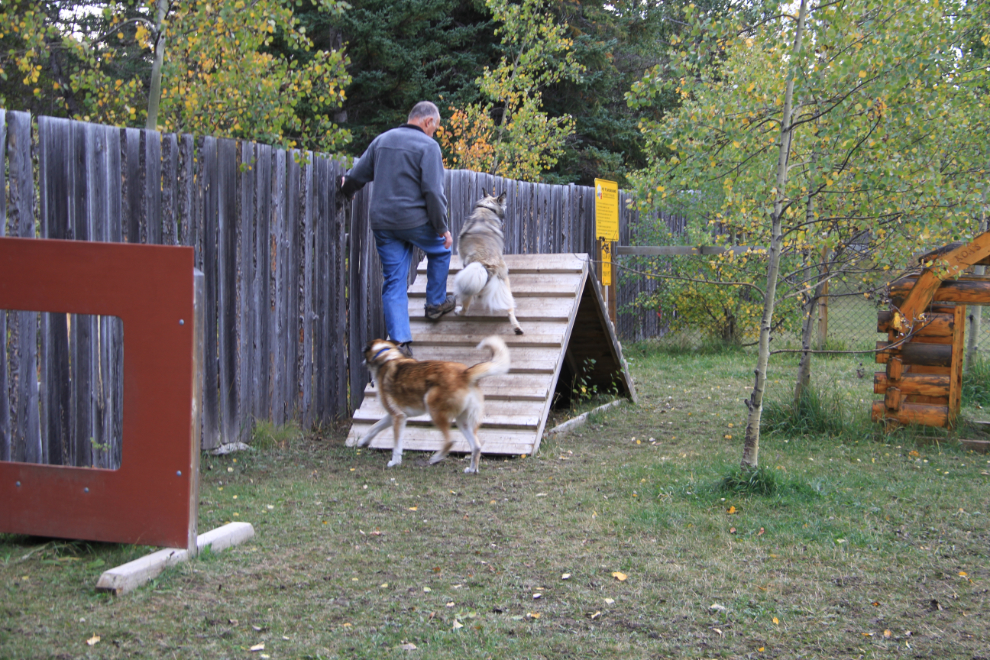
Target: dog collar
(380,352)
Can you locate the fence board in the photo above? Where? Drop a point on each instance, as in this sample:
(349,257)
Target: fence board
(132,185)
(187,196)
(25,438)
(227,288)
(57,189)
(152,204)
(82,333)
(211,369)
(263,283)
(321,289)
(293,255)
(112,328)
(170,190)
(357,305)
(341,268)
(281,309)
(247,300)
(306,302)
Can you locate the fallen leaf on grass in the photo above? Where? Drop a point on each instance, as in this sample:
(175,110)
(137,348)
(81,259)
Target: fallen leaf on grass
(450,604)
(717,607)
(732,530)
(537,596)
(875,603)
(595,615)
(776,621)
(732,510)
(533,615)
(621,577)
(565,576)
(760,533)
(457,624)
(93,641)
(718,631)
(887,634)
(609,601)
(963,573)
(412,508)
(257,647)
(408,646)
(427,590)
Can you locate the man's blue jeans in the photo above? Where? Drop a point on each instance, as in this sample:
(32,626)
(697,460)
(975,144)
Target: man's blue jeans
(395,250)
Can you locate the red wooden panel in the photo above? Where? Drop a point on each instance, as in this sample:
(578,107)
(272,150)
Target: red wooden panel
(151,499)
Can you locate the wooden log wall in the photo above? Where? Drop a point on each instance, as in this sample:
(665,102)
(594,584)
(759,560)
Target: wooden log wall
(290,297)
(922,383)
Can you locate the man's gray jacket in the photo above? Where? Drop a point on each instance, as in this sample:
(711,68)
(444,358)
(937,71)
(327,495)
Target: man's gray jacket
(407,168)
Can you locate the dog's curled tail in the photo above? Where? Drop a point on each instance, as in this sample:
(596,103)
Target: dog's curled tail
(470,281)
(497,366)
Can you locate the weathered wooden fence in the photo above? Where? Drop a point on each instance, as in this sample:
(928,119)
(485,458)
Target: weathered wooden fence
(292,286)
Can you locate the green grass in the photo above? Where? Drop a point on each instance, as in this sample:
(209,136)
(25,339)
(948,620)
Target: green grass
(840,537)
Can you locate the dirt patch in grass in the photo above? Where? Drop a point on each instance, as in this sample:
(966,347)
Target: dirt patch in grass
(873,547)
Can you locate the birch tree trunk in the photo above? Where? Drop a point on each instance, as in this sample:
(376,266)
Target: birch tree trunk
(974,317)
(751,448)
(155,94)
(808,308)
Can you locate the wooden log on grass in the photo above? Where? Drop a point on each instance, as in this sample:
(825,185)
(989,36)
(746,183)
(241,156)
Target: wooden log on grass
(925,414)
(912,384)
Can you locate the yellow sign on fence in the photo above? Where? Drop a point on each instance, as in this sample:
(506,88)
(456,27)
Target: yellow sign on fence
(606,223)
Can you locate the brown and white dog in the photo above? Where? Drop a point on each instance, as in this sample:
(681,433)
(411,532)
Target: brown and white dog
(446,390)
(485,277)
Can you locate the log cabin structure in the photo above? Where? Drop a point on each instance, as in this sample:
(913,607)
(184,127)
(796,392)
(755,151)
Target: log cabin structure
(925,327)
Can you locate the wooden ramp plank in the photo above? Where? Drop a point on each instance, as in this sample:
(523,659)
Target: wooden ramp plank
(520,387)
(427,438)
(560,307)
(498,412)
(529,309)
(525,263)
(523,286)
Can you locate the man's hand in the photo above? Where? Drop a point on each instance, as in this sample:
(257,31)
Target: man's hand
(448,240)
(341,197)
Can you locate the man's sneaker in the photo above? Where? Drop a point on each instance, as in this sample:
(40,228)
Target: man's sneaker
(434,312)
(406,348)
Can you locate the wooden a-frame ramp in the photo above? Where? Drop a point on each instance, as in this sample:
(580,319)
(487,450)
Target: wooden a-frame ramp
(561,310)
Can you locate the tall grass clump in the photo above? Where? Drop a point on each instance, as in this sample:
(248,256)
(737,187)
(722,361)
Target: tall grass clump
(976,382)
(267,436)
(758,481)
(820,410)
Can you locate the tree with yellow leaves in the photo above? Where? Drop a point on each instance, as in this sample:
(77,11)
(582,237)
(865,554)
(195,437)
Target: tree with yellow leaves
(510,135)
(840,134)
(210,59)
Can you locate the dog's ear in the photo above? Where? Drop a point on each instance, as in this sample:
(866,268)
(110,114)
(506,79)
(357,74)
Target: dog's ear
(483,193)
(501,198)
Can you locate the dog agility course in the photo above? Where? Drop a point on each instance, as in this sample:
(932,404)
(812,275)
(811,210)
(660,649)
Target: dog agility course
(567,333)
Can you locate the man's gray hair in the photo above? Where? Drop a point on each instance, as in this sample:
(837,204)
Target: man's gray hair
(422,110)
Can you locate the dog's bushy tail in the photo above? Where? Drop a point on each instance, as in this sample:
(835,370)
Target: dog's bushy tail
(497,366)
(470,281)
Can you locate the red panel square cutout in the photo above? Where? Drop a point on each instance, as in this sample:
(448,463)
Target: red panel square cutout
(152,498)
